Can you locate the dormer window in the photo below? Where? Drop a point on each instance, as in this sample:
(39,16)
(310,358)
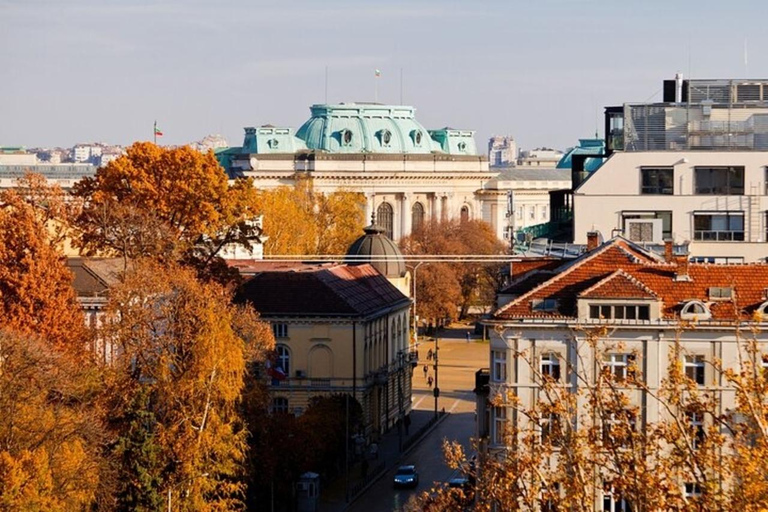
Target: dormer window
(346,137)
(417,137)
(273,143)
(695,310)
(544,304)
(462,146)
(386,137)
(720,293)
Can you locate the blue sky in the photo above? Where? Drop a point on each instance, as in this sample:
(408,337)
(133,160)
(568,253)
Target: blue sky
(104,70)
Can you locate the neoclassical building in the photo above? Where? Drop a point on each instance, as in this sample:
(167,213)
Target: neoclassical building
(409,174)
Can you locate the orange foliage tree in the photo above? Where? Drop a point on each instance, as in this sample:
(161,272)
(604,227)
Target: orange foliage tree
(299,220)
(174,204)
(36,295)
(183,350)
(447,290)
(50,433)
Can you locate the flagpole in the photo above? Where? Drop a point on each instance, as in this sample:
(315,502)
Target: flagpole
(375,89)
(154,133)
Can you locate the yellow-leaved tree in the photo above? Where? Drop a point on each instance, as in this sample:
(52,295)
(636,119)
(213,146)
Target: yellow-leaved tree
(174,390)
(299,220)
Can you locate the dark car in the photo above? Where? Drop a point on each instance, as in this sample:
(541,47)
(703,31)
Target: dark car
(406,476)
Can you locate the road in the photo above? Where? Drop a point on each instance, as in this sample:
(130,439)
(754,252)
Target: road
(458,363)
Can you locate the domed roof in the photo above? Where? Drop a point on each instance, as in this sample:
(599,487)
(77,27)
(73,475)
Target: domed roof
(378,250)
(366,128)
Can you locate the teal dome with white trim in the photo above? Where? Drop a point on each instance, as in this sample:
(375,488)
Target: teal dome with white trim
(366,128)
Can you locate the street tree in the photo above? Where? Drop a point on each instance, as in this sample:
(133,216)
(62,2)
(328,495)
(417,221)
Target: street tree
(50,429)
(36,294)
(170,204)
(300,220)
(447,290)
(175,387)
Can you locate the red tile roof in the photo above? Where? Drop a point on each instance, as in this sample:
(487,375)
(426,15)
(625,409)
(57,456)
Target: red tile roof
(644,277)
(618,285)
(341,290)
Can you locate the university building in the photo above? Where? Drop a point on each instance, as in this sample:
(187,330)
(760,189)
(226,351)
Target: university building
(409,174)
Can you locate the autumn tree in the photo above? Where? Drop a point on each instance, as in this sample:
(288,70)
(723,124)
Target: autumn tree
(585,437)
(300,220)
(173,204)
(36,295)
(50,434)
(175,387)
(448,289)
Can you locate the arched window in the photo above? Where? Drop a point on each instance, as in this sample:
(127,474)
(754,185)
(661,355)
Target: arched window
(279,405)
(417,216)
(464,213)
(695,310)
(284,359)
(384,218)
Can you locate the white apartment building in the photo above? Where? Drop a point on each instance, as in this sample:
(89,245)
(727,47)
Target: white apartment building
(502,151)
(716,200)
(693,169)
(644,301)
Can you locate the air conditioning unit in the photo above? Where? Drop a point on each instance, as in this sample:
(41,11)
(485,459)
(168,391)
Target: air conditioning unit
(300,374)
(644,230)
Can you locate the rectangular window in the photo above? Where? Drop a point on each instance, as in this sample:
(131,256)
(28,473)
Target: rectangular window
(620,312)
(692,490)
(719,227)
(544,304)
(519,213)
(532,213)
(612,502)
(280,330)
(720,293)
(544,215)
(499,365)
(657,180)
(619,366)
(694,368)
(550,366)
(665,216)
(550,429)
(720,181)
(499,424)
(618,427)
(696,422)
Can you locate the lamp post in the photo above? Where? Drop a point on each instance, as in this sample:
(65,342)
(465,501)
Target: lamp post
(415,323)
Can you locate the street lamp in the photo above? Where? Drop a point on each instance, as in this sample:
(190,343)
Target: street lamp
(415,324)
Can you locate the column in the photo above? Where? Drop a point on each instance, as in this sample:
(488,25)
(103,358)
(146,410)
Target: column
(405,215)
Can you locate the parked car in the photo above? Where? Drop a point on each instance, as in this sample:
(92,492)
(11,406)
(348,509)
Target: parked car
(406,476)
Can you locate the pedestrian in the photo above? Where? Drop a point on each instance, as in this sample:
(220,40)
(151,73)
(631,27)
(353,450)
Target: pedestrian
(468,337)
(429,355)
(429,382)
(425,371)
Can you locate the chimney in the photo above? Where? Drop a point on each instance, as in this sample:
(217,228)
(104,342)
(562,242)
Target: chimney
(592,238)
(681,273)
(669,250)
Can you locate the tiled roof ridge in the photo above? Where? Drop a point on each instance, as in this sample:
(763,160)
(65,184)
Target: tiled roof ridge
(615,274)
(559,275)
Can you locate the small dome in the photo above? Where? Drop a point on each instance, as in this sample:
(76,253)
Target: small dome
(377,249)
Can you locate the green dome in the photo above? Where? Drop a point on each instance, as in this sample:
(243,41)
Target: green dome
(366,128)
